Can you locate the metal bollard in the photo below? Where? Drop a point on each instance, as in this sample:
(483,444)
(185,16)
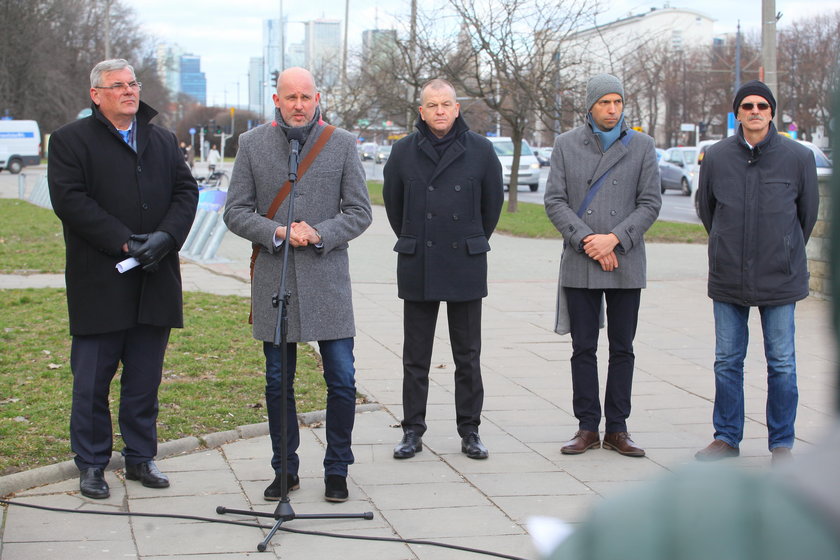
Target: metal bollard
(214,242)
(22,186)
(204,234)
(200,216)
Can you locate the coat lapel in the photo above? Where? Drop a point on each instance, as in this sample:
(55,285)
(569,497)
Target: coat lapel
(612,156)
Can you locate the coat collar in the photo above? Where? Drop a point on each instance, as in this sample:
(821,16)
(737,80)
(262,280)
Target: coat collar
(145,113)
(452,153)
(609,158)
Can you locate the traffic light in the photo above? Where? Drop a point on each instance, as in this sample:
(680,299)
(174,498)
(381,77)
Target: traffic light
(274,77)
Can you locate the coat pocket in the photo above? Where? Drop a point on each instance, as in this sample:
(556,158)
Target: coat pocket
(477,245)
(406,245)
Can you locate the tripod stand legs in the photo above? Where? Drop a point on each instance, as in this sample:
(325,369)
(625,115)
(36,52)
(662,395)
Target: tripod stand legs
(284,512)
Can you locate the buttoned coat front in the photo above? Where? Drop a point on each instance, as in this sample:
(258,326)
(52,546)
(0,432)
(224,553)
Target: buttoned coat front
(332,197)
(626,205)
(443,210)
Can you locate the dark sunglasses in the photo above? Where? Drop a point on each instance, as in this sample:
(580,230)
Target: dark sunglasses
(749,106)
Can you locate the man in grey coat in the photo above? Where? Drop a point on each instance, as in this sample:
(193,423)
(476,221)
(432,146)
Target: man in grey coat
(331,207)
(602,195)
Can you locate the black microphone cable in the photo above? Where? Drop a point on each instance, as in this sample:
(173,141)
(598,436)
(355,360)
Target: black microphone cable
(261,526)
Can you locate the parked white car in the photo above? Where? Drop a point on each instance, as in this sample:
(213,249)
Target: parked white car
(529,166)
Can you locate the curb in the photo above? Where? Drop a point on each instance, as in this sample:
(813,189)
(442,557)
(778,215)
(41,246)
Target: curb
(50,474)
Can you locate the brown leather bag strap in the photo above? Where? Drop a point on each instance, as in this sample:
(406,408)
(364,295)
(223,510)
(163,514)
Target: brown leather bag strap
(304,165)
(284,192)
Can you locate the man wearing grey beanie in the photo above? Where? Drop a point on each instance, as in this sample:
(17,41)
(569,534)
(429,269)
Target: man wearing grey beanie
(758,200)
(602,195)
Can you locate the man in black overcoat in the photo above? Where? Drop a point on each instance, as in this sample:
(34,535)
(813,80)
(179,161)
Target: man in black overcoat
(122,189)
(443,196)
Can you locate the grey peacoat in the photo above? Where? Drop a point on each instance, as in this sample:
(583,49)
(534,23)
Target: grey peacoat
(627,205)
(332,197)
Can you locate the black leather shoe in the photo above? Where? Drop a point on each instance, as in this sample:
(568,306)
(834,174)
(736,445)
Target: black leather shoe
(472,446)
(148,475)
(410,444)
(336,488)
(92,484)
(273,493)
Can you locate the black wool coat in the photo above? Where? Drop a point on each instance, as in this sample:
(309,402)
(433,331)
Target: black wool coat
(103,192)
(443,210)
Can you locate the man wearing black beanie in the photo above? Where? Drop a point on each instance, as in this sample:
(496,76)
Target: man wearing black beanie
(758,201)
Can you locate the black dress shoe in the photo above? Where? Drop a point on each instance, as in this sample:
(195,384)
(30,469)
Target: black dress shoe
(336,488)
(148,475)
(472,446)
(273,493)
(410,444)
(92,484)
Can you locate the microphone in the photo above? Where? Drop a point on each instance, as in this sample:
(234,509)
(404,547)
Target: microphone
(295,136)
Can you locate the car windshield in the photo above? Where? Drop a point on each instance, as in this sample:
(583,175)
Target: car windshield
(505,148)
(820,158)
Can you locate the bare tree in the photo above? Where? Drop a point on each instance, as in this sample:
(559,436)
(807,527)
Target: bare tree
(512,55)
(47,50)
(808,71)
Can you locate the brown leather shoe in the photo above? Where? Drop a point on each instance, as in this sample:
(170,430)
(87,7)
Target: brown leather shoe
(583,440)
(716,451)
(780,455)
(621,442)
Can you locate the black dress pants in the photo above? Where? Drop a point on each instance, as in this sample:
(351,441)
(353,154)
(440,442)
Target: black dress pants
(94,360)
(419,320)
(622,317)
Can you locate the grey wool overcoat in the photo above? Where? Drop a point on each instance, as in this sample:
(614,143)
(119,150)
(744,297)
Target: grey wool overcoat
(627,205)
(332,197)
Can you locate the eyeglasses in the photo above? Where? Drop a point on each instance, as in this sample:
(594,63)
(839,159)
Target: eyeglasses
(121,86)
(749,106)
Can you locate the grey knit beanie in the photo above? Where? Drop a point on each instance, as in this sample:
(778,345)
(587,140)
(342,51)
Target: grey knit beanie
(601,85)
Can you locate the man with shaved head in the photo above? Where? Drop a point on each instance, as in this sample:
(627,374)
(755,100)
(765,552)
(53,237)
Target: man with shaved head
(331,207)
(443,195)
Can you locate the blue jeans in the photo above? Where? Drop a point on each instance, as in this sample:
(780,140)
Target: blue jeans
(731,338)
(339,373)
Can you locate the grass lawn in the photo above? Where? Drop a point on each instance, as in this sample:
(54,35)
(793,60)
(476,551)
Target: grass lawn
(213,376)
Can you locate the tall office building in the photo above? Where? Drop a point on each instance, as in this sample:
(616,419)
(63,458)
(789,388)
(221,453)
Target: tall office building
(256,77)
(323,50)
(379,43)
(193,81)
(168,58)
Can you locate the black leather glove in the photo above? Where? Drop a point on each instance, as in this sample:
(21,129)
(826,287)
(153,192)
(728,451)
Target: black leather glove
(153,247)
(135,242)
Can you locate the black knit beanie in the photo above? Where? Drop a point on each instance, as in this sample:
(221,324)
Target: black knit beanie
(755,87)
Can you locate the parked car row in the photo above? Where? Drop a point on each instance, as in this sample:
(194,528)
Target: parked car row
(824,164)
(677,168)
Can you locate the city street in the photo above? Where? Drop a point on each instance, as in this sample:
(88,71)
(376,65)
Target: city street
(675,206)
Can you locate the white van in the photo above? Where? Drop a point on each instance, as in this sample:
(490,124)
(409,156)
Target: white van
(529,166)
(20,145)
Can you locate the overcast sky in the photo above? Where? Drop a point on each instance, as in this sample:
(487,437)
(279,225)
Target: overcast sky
(227,34)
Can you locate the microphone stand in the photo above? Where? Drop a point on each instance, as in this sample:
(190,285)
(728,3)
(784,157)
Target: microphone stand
(284,512)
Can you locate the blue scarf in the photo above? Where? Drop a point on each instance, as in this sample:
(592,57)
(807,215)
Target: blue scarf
(606,137)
